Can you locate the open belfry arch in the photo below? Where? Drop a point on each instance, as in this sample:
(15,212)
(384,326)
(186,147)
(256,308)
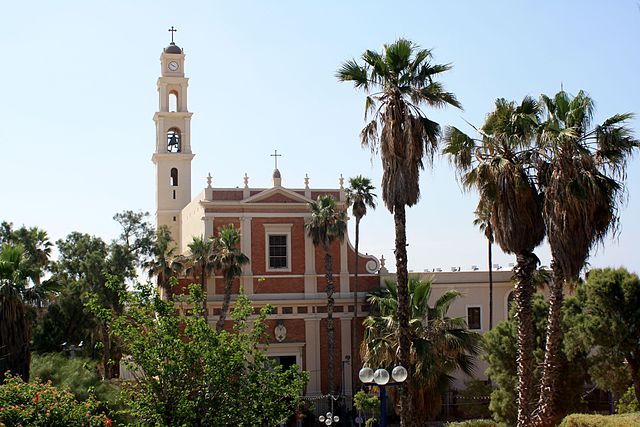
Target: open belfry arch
(286,270)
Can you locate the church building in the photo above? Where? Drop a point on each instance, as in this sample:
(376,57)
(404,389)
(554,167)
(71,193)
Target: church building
(286,270)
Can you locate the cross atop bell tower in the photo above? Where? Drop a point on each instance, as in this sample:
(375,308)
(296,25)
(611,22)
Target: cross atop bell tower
(172,155)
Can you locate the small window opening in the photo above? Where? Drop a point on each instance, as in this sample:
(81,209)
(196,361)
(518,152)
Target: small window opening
(174,177)
(174,218)
(174,143)
(174,194)
(473,318)
(173,101)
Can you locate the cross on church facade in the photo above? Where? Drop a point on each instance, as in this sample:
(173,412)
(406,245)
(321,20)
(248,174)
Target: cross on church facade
(275,155)
(172,30)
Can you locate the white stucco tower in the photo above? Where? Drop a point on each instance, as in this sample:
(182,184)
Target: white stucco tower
(172,155)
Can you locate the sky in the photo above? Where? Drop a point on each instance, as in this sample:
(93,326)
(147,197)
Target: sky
(80,93)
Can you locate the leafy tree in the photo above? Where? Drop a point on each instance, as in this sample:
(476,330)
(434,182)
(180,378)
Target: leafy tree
(229,260)
(201,262)
(498,165)
(605,322)
(359,195)
(582,170)
(190,374)
(398,82)
(326,225)
(439,344)
(21,287)
(500,349)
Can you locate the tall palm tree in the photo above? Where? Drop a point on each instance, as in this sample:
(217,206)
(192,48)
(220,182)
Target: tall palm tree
(326,225)
(20,286)
(359,195)
(397,82)
(483,222)
(165,262)
(498,165)
(201,262)
(440,344)
(582,170)
(229,260)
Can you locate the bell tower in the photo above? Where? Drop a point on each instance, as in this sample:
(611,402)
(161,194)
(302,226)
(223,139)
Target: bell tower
(172,155)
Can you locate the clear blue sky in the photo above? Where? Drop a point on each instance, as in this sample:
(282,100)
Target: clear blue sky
(79,95)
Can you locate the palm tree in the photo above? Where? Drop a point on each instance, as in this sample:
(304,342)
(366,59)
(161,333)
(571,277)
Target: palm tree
(359,195)
(327,224)
(165,263)
(440,344)
(229,260)
(201,262)
(20,286)
(483,222)
(582,170)
(397,82)
(498,165)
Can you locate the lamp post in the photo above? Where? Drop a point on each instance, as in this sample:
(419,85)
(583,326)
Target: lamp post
(380,377)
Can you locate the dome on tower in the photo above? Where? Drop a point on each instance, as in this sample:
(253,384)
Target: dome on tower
(276,173)
(172,48)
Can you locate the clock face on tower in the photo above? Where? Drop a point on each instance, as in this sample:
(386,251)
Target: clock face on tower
(173,66)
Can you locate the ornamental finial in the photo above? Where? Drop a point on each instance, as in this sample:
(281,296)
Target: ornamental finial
(306,181)
(246,180)
(341,181)
(209,180)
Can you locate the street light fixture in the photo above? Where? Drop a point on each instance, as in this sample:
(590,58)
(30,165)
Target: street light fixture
(329,418)
(380,377)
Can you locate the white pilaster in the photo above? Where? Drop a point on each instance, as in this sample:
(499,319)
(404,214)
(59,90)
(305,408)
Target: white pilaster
(310,279)
(246,280)
(344,267)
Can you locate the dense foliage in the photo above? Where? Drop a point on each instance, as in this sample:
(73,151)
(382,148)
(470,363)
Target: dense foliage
(187,373)
(41,404)
(604,316)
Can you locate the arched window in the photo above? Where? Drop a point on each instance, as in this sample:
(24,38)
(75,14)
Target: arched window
(174,143)
(174,177)
(173,101)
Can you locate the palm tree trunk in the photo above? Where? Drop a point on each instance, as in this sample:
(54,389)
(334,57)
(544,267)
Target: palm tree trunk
(203,284)
(404,342)
(354,324)
(547,404)
(523,273)
(328,268)
(225,305)
(15,355)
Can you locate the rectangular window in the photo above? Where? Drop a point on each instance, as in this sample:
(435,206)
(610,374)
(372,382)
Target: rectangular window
(474,318)
(278,251)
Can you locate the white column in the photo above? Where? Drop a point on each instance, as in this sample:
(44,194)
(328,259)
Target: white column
(246,280)
(312,355)
(345,344)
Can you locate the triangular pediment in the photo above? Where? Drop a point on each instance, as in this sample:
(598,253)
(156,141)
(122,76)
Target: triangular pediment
(277,195)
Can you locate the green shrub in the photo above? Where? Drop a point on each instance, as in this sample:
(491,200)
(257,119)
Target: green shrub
(585,420)
(41,404)
(475,423)
(628,402)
